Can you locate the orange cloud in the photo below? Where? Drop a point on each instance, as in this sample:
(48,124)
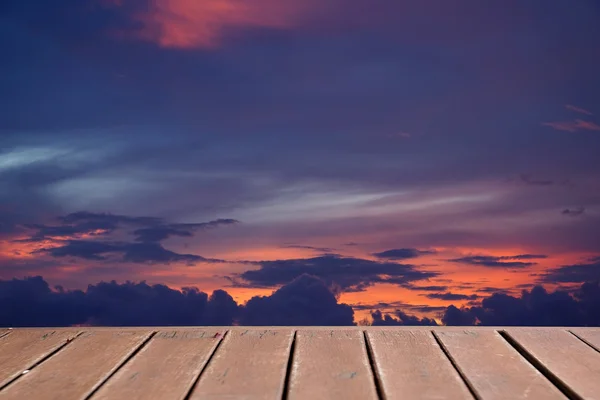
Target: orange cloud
(194,23)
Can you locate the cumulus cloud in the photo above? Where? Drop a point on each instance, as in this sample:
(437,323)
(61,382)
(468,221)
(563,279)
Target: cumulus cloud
(537,307)
(306,300)
(31,302)
(350,274)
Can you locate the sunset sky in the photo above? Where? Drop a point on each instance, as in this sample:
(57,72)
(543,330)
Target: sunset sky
(411,154)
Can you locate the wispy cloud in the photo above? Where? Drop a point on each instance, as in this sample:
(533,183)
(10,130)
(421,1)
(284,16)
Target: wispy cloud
(578,109)
(573,126)
(500,261)
(573,212)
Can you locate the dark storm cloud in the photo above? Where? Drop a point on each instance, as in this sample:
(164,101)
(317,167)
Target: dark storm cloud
(350,274)
(402,254)
(31,302)
(499,261)
(452,296)
(577,273)
(533,308)
(399,319)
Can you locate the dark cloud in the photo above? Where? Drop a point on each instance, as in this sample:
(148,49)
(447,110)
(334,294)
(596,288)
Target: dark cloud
(345,272)
(31,302)
(573,212)
(154,230)
(131,252)
(491,289)
(499,261)
(306,300)
(400,318)
(577,273)
(161,232)
(535,182)
(533,308)
(319,249)
(401,254)
(452,296)
(432,288)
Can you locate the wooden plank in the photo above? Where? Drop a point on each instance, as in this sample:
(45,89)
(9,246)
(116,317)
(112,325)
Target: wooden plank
(573,362)
(21,350)
(78,368)
(166,368)
(331,365)
(590,336)
(411,364)
(493,368)
(4,332)
(249,364)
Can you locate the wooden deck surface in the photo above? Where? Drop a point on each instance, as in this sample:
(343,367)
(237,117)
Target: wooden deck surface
(300,363)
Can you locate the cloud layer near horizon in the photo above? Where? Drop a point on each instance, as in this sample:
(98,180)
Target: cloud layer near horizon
(304,301)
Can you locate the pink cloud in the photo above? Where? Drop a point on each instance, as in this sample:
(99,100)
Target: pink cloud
(578,109)
(573,126)
(202,23)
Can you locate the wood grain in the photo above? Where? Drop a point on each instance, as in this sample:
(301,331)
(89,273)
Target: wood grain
(493,368)
(591,337)
(249,364)
(411,364)
(331,365)
(165,368)
(575,363)
(78,368)
(21,350)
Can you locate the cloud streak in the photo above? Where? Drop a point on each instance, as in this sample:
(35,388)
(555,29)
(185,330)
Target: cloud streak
(499,261)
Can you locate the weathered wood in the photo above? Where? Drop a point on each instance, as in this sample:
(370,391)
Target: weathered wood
(573,362)
(78,368)
(493,368)
(21,350)
(591,337)
(166,368)
(331,365)
(4,332)
(249,364)
(411,364)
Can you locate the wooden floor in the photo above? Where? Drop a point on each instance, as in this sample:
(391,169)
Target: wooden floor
(300,363)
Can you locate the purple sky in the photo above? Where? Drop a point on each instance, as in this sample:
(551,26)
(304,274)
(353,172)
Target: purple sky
(385,147)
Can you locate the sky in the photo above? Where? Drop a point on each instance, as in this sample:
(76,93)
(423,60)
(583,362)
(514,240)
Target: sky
(409,160)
